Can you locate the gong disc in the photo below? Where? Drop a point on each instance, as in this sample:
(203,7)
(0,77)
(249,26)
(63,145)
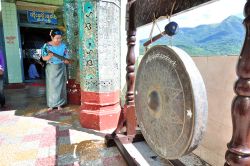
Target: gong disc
(170,101)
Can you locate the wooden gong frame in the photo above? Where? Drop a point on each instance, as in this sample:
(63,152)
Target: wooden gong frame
(141,12)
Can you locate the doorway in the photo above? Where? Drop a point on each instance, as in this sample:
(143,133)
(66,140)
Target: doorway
(32,39)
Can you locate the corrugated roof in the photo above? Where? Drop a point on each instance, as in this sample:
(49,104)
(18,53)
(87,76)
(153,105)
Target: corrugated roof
(146,10)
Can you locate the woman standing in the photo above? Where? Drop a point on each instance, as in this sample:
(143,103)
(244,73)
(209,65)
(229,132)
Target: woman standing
(55,70)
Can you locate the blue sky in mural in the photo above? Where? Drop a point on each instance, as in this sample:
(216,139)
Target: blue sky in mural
(207,14)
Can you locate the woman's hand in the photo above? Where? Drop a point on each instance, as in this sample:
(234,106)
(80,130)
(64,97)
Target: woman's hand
(46,58)
(66,61)
(50,55)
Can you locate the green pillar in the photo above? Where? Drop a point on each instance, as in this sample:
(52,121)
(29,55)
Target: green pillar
(70,15)
(99,31)
(12,43)
(71,24)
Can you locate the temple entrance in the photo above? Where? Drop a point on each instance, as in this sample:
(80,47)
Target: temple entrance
(32,39)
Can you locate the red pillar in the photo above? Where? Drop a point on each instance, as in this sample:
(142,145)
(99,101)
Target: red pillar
(99,110)
(73,92)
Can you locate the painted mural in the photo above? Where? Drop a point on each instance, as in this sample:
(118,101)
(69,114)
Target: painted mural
(72,33)
(99,45)
(109,50)
(88,49)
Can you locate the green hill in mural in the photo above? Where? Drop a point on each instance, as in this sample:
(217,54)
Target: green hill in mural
(225,38)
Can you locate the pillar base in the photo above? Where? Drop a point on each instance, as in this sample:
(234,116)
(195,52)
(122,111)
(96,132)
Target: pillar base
(104,118)
(73,92)
(100,111)
(234,159)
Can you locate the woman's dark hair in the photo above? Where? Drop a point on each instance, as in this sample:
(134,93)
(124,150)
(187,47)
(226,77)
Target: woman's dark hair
(55,32)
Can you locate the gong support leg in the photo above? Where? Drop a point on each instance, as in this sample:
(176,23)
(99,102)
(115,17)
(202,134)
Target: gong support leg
(127,117)
(130,76)
(132,155)
(238,153)
(128,111)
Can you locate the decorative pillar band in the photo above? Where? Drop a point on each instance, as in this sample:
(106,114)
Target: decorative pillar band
(99,23)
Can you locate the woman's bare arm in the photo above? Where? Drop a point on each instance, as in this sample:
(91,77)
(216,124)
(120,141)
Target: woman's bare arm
(46,58)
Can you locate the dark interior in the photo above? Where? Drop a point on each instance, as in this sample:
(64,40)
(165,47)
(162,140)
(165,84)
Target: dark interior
(32,39)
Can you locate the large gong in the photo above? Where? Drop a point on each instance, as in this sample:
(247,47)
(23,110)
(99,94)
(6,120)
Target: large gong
(171,102)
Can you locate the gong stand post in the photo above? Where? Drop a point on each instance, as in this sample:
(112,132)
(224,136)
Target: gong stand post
(129,107)
(127,117)
(238,153)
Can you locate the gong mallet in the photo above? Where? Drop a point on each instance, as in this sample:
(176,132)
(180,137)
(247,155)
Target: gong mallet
(154,39)
(170,30)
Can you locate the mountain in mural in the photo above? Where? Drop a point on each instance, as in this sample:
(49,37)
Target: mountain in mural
(225,38)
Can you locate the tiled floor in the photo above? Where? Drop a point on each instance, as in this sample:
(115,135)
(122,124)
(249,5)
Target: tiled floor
(32,136)
(29,135)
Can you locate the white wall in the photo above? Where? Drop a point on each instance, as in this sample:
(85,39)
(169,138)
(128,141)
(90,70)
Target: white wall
(219,75)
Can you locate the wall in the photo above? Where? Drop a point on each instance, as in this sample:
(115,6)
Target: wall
(12,45)
(11,32)
(48,2)
(219,75)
